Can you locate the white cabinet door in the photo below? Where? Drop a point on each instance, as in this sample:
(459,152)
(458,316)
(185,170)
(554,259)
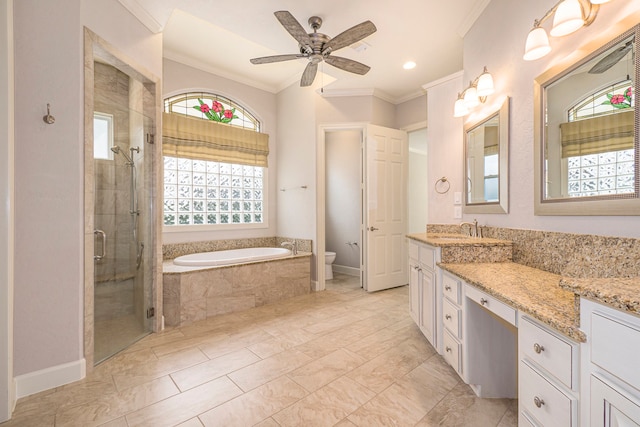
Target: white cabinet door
(428,315)
(414,292)
(610,408)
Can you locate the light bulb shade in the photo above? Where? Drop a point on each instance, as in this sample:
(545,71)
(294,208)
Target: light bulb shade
(485,84)
(537,44)
(459,109)
(471,98)
(567,19)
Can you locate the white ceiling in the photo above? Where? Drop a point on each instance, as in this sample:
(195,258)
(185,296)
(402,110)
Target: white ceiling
(221,37)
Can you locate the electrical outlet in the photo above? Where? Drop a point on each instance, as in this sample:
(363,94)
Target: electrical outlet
(457,212)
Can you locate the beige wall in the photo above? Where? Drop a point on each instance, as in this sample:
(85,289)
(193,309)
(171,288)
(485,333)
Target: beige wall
(498,43)
(49,250)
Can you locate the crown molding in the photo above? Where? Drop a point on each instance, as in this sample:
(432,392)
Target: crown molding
(472,17)
(456,75)
(142,15)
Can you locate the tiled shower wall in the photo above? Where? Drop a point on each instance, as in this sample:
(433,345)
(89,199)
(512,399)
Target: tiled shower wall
(567,254)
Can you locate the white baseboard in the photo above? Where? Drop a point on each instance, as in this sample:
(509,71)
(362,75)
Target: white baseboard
(48,378)
(346,270)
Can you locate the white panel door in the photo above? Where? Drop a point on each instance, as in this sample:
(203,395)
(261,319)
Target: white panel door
(385,208)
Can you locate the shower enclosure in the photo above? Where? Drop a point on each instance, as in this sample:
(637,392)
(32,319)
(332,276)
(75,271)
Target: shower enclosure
(124,234)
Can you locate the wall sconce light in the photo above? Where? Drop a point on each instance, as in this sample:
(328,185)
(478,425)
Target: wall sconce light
(475,94)
(568,17)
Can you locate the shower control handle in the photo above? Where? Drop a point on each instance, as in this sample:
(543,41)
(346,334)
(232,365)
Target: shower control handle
(103,237)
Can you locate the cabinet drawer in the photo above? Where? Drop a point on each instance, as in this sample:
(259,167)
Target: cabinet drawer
(452,350)
(451,318)
(548,350)
(499,308)
(525,421)
(426,256)
(451,288)
(615,346)
(543,400)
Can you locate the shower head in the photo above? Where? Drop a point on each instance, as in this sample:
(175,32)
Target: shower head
(116,149)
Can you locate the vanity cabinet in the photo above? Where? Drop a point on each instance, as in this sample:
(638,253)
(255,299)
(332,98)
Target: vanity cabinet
(452,320)
(611,377)
(422,288)
(548,376)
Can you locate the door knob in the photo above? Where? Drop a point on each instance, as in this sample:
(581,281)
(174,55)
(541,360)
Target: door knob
(372,228)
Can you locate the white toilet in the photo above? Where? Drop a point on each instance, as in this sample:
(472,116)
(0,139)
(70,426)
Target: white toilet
(329,257)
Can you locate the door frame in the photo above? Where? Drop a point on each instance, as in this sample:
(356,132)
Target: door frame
(321,196)
(7,217)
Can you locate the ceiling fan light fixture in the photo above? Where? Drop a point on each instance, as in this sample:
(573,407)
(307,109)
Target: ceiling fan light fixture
(537,44)
(567,19)
(409,65)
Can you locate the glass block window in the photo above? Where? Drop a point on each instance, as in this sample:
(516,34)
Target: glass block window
(184,103)
(605,173)
(601,174)
(199,192)
(202,192)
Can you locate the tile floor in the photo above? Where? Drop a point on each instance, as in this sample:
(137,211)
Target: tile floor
(341,357)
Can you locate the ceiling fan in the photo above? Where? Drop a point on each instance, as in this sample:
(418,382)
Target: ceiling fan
(317,47)
(612,59)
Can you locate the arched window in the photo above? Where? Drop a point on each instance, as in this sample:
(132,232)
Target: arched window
(603,164)
(201,192)
(185,103)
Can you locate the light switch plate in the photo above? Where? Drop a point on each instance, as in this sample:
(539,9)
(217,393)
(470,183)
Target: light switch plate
(457,198)
(457,212)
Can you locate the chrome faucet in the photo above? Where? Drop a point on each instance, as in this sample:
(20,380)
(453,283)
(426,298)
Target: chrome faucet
(473,228)
(294,246)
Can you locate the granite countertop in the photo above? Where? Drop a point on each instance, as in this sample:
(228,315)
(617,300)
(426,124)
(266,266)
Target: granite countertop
(530,290)
(451,239)
(620,293)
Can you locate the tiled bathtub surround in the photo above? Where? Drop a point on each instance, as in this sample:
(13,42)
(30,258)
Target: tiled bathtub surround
(566,254)
(174,250)
(195,295)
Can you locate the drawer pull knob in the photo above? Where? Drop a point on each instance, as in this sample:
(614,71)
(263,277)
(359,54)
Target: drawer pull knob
(448,349)
(538,402)
(483,301)
(447,288)
(447,316)
(538,348)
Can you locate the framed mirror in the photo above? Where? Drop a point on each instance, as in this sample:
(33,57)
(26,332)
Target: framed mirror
(586,136)
(486,163)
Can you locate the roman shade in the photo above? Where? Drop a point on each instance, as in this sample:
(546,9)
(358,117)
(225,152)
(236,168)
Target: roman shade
(603,134)
(198,139)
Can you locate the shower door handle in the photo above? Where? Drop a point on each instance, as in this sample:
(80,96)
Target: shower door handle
(103,237)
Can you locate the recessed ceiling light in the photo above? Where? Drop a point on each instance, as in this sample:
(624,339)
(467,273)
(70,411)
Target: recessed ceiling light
(409,65)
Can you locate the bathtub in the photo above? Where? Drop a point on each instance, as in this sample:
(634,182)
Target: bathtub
(231,256)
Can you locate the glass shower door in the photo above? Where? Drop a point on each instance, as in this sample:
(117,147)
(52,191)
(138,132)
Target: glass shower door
(122,278)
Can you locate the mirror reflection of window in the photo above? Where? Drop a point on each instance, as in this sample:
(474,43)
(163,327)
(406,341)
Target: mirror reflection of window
(590,128)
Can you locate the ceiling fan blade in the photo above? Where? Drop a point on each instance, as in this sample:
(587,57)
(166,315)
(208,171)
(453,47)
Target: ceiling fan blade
(294,28)
(347,64)
(611,59)
(309,74)
(276,58)
(351,36)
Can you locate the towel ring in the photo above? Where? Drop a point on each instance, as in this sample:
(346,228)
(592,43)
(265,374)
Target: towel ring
(442,180)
